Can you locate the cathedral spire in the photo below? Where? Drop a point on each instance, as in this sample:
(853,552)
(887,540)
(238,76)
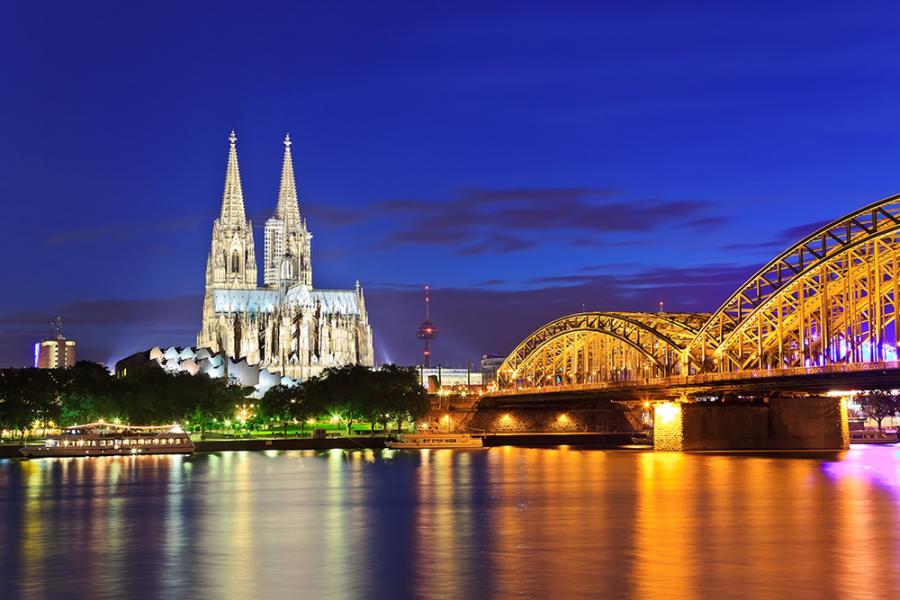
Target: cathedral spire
(287,209)
(233,197)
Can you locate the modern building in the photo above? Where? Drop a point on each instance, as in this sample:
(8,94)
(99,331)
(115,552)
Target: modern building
(286,327)
(435,379)
(54,352)
(490,363)
(202,360)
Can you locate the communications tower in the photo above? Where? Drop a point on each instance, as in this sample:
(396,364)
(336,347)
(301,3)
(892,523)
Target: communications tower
(427,330)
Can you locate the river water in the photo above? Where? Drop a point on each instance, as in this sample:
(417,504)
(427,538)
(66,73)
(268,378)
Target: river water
(499,523)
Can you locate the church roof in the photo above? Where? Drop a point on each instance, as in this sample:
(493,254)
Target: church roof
(342,302)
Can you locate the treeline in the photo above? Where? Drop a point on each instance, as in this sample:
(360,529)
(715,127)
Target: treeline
(350,394)
(35,399)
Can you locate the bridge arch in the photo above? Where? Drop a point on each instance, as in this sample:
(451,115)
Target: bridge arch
(828,299)
(590,347)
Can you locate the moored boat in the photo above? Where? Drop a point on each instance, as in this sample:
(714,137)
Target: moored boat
(107,439)
(425,440)
(865,436)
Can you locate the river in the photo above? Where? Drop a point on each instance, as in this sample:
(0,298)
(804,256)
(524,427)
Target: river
(499,523)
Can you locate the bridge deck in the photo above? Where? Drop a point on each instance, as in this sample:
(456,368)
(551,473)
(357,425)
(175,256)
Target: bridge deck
(820,379)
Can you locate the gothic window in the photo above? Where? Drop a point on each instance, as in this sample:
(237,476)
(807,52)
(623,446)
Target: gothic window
(235,262)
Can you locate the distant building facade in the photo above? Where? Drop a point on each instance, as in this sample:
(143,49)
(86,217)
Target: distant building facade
(490,364)
(54,352)
(287,326)
(202,360)
(436,378)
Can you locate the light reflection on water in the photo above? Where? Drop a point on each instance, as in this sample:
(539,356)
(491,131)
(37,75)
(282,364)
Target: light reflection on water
(508,522)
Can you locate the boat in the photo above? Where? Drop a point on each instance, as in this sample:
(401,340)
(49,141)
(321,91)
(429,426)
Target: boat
(642,438)
(872,437)
(421,441)
(108,439)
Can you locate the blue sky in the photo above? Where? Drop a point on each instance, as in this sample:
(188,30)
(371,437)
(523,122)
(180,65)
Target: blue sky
(525,160)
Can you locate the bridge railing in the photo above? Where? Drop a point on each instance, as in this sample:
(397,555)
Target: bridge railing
(701,378)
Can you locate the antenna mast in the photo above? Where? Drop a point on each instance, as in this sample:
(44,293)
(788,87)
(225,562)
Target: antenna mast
(427,331)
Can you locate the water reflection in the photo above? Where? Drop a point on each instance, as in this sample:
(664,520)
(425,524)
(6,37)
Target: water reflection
(502,523)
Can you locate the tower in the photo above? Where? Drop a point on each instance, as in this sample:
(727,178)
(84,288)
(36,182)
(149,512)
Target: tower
(231,263)
(287,241)
(427,330)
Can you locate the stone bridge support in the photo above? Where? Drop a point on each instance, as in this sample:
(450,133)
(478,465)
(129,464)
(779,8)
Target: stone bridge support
(781,423)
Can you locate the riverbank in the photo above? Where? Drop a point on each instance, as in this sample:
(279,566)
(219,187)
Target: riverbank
(529,440)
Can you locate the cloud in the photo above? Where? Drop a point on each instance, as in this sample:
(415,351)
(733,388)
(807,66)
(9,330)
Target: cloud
(782,240)
(490,282)
(706,223)
(484,318)
(501,244)
(499,221)
(794,234)
(331,214)
(119,232)
(104,330)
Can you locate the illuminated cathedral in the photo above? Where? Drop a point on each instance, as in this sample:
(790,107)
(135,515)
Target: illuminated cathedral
(286,326)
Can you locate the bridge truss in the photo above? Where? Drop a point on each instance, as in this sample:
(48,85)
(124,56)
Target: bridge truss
(830,299)
(593,347)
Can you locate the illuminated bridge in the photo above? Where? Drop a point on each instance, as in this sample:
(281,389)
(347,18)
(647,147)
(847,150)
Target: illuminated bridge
(821,314)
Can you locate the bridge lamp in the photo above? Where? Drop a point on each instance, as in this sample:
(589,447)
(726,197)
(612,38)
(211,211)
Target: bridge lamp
(666,412)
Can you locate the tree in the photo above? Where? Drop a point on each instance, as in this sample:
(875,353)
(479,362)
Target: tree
(878,405)
(29,396)
(15,414)
(42,395)
(278,405)
(87,394)
(214,400)
(339,391)
(406,397)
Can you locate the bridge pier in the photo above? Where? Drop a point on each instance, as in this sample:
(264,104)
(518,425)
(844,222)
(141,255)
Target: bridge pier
(781,423)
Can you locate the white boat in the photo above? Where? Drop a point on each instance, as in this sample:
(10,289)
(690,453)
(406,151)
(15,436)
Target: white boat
(867,436)
(435,440)
(107,439)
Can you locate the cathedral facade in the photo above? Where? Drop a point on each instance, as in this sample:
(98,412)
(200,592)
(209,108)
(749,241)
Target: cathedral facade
(286,326)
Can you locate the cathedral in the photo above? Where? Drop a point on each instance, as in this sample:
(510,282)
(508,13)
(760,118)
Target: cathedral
(286,326)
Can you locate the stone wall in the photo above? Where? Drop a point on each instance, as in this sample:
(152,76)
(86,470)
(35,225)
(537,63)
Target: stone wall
(809,423)
(779,424)
(668,430)
(596,420)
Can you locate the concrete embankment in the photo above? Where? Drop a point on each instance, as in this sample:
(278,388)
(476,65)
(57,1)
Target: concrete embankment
(544,440)
(780,423)
(531,440)
(9,451)
(291,444)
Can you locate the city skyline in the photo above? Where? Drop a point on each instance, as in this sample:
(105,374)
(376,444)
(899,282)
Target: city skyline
(676,162)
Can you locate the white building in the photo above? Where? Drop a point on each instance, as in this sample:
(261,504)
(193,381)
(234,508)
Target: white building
(286,327)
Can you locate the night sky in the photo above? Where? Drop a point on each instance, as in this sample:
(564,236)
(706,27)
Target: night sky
(525,160)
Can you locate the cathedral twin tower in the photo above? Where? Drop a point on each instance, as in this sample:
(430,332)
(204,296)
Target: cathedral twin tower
(287,326)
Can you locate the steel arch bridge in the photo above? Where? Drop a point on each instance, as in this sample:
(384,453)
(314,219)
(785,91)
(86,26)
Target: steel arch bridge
(827,301)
